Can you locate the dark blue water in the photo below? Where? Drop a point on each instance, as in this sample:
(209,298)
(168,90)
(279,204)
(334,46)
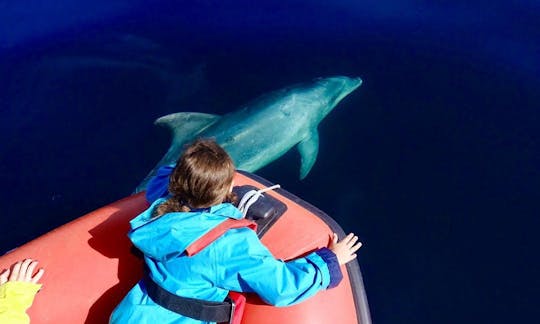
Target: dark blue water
(433,161)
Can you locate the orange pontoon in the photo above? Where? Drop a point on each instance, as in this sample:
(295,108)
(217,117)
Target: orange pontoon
(90,263)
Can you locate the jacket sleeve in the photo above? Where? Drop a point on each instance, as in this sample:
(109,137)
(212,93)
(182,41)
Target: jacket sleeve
(246,265)
(15,298)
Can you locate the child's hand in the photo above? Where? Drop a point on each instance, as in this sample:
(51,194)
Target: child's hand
(345,250)
(22,271)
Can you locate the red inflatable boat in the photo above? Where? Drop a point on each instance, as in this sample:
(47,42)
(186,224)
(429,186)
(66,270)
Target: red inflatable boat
(90,263)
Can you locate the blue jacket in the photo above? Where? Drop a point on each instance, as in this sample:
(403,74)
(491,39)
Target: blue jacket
(236,261)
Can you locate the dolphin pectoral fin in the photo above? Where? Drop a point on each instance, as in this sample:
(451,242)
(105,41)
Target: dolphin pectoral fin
(308,148)
(185,126)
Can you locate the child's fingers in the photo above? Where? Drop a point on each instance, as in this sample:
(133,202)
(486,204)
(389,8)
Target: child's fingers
(14,276)
(352,240)
(335,239)
(30,271)
(346,239)
(37,276)
(4,276)
(24,269)
(349,258)
(356,247)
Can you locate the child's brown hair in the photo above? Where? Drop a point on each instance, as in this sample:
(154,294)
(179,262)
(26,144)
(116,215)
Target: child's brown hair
(203,177)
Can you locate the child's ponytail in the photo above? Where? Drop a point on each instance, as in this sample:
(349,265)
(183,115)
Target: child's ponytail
(171,205)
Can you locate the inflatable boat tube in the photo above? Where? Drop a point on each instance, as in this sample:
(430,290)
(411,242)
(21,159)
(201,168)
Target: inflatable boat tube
(91,264)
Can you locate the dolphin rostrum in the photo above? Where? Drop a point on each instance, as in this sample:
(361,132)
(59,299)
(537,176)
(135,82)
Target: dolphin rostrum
(265,129)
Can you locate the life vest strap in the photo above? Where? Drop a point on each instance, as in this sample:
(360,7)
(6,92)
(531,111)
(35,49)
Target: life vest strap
(229,311)
(208,311)
(216,232)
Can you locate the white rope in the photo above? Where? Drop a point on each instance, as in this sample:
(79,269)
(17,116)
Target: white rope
(251,197)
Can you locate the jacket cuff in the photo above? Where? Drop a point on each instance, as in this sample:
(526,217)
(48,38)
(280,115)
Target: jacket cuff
(333,266)
(18,295)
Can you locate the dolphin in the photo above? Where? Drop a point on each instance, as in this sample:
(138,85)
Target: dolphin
(109,58)
(265,129)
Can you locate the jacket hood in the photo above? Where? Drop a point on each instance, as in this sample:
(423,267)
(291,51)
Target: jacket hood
(169,235)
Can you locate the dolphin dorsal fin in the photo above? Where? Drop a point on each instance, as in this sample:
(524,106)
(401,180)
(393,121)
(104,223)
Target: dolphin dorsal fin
(308,148)
(185,126)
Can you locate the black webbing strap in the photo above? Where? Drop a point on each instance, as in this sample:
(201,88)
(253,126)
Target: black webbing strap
(195,308)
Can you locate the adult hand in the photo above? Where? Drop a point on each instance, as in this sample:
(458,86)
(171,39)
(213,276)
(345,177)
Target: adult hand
(22,271)
(345,250)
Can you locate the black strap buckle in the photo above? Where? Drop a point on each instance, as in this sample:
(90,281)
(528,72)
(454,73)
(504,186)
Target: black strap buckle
(233,308)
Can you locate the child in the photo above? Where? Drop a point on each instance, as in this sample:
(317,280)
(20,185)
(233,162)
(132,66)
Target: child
(199,188)
(18,288)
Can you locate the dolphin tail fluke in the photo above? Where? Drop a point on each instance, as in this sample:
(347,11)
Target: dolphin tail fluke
(308,148)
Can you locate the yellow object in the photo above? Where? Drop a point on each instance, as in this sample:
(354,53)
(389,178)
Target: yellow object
(15,298)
